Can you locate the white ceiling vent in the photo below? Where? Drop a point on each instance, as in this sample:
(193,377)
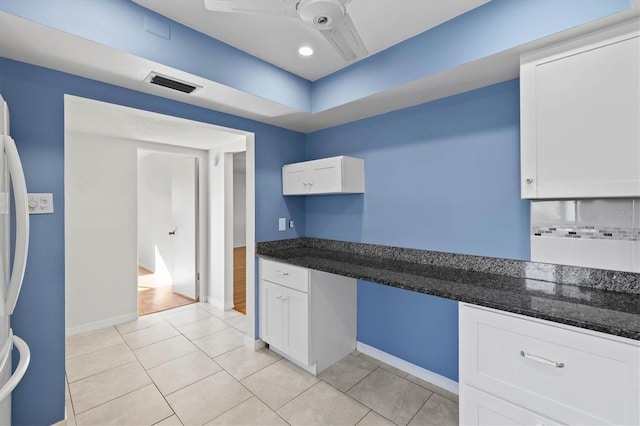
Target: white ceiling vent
(171,83)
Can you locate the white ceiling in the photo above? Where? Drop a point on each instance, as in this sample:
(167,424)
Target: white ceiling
(27,41)
(276,39)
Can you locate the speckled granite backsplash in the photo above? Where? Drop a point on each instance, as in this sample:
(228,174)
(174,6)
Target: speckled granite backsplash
(626,282)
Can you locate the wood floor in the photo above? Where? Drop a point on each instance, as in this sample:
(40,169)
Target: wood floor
(154,295)
(240,279)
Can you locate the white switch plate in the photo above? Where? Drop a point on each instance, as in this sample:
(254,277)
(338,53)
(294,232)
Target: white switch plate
(282,224)
(40,203)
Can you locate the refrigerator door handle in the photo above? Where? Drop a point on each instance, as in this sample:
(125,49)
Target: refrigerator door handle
(6,350)
(25,358)
(22,223)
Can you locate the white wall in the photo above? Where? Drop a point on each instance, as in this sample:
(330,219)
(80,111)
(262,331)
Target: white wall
(220,290)
(221,226)
(239,199)
(100,231)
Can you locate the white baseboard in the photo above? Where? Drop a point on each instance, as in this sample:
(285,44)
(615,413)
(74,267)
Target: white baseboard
(62,422)
(407,367)
(219,304)
(97,325)
(254,344)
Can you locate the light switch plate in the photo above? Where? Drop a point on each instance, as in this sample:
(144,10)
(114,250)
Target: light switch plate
(40,203)
(282,224)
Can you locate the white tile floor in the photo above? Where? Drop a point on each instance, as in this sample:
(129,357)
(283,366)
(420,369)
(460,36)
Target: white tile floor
(189,366)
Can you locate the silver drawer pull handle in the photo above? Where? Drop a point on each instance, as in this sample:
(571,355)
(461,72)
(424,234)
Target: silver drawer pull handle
(282,273)
(541,360)
(284,298)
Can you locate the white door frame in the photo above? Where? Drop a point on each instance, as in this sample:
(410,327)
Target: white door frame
(201,136)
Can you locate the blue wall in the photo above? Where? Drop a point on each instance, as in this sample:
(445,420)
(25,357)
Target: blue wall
(491,28)
(35,98)
(440,176)
(494,27)
(121,25)
(416,327)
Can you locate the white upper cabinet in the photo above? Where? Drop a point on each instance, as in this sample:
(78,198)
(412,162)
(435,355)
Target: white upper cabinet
(335,175)
(580,118)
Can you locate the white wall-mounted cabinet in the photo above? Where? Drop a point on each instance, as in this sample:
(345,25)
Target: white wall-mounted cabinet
(335,175)
(580,106)
(307,316)
(521,370)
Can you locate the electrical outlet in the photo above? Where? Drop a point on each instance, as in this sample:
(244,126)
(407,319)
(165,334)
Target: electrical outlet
(40,203)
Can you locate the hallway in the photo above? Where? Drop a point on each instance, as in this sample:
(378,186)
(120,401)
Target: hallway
(239,279)
(155,294)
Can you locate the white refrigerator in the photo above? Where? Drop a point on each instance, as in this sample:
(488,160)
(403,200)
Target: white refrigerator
(13,201)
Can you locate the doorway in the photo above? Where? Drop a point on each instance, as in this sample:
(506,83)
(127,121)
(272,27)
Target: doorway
(239,232)
(101,146)
(168,207)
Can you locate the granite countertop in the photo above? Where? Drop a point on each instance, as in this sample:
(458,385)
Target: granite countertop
(581,303)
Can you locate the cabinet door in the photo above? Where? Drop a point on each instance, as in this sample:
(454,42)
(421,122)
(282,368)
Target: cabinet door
(325,175)
(562,372)
(294,179)
(587,111)
(271,313)
(480,408)
(296,329)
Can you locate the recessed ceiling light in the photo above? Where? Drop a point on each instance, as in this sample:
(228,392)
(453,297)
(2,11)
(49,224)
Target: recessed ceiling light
(305,51)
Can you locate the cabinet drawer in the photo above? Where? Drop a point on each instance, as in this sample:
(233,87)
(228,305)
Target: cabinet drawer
(558,371)
(291,276)
(482,409)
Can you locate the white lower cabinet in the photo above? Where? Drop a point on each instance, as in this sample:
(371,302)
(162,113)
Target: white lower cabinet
(286,322)
(307,316)
(522,370)
(481,408)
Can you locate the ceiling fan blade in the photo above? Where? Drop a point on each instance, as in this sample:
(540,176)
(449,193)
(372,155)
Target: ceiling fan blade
(275,7)
(346,40)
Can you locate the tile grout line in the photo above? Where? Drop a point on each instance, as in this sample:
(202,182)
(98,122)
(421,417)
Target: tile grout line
(100,372)
(365,415)
(289,400)
(235,406)
(161,340)
(137,360)
(166,402)
(112,399)
(206,335)
(101,330)
(174,359)
(186,386)
(359,402)
(421,407)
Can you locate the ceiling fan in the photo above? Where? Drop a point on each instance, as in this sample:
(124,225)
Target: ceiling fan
(330,17)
